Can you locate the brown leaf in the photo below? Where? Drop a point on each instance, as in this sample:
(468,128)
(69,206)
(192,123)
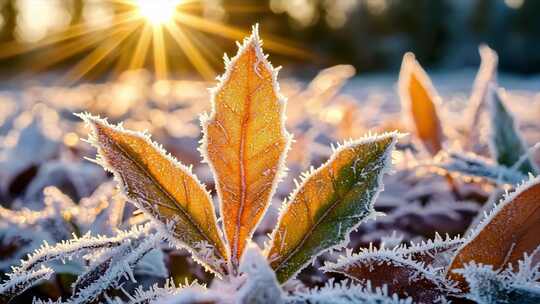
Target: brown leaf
(403,276)
(511,229)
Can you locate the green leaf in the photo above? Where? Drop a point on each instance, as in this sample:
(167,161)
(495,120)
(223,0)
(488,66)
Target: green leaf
(331,202)
(506,144)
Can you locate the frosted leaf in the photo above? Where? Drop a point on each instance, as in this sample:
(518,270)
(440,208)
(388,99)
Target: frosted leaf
(487,73)
(506,144)
(506,233)
(245,141)
(19,282)
(436,252)
(155,293)
(162,188)
(152,264)
(474,165)
(330,202)
(261,285)
(66,250)
(400,274)
(346,293)
(119,266)
(486,286)
(419,102)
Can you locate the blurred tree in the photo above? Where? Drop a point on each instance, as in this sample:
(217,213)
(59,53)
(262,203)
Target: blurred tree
(9,16)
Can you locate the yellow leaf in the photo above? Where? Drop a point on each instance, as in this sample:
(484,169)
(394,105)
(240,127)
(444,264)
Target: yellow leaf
(245,141)
(418,100)
(331,202)
(161,187)
(511,229)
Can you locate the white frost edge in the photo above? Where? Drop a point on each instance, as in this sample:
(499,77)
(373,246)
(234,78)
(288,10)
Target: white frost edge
(333,290)
(163,228)
(367,255)
(497,94)
(409,66)
(487,73)
(18,283)
(206,118)
(507,199)
(306,176)
(115,272)
(65,250)
(437,242)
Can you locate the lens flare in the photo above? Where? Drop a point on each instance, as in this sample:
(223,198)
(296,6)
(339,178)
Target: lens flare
(157,12)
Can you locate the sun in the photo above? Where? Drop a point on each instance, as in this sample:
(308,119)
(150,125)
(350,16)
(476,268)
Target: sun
(157,12)
(141,31)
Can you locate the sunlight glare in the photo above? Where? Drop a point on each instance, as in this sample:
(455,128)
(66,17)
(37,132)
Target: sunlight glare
(157,12)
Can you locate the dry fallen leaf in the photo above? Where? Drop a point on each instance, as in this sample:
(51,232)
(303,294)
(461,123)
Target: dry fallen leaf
(511,229)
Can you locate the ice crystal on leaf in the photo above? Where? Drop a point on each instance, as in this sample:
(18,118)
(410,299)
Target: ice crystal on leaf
(347,293)
(329,203)
(487,286)
(509,231)
(506,143)
(401,274)
(245,143)
(487,74)
(474,165)
(160,186)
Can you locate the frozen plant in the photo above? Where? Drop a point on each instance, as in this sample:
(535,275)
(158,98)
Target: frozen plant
(245,143)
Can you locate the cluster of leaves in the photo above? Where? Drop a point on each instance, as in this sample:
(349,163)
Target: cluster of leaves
(245,143)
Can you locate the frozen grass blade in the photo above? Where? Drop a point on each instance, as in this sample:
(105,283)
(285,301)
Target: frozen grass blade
(419,103)
(245,141)
(506,145)
(329,203)
(161,187)
(510,230)
(18,283)
(93,286)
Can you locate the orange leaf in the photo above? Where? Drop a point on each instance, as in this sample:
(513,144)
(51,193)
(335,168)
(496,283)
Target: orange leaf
(418,99)
(161,187)
(245,141)
(511,229)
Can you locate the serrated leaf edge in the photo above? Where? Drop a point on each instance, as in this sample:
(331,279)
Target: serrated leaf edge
(163,228)
(498,94)
(205,118)
(304,177)
(507,199)
(372,253)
